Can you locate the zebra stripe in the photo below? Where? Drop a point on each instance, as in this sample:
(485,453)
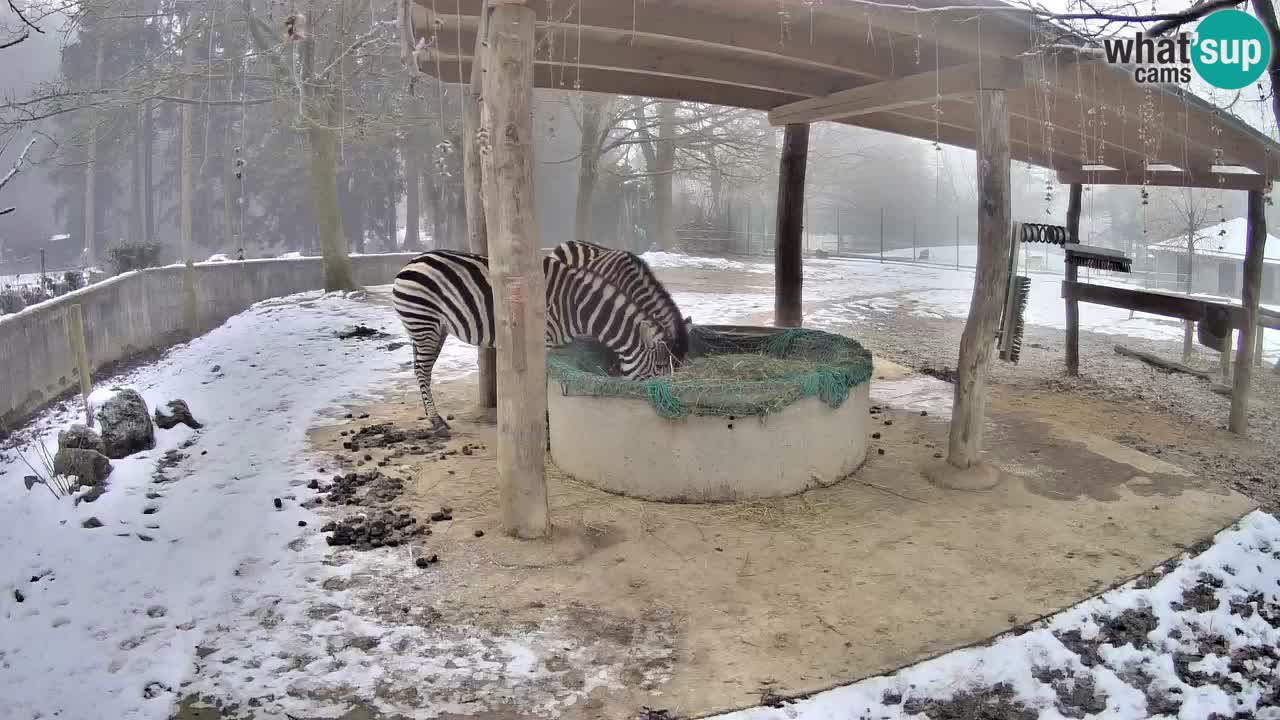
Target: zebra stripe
(634,277)
(446,292)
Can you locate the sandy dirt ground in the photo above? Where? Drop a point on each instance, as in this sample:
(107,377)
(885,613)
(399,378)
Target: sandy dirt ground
(701,608)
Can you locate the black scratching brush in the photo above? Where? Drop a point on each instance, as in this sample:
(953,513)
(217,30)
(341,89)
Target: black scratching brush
(1019,318)
(1041,233)
(1098,258)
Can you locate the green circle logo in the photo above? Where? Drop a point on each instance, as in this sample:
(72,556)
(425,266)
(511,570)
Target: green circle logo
(1232,49)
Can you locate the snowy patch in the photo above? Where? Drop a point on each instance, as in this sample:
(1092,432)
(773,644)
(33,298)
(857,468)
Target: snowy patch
(110,627)
(1200,639)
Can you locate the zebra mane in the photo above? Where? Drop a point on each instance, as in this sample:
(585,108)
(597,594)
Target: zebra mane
(595,259)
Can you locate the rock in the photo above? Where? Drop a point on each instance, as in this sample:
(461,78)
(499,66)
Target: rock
(479,533)
(91,523)
(81,438)
(278,503)
(421,562)
(178,412)
(90,467)
(126,425)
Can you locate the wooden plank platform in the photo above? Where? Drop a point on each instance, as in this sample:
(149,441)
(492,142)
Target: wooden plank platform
(1184,307)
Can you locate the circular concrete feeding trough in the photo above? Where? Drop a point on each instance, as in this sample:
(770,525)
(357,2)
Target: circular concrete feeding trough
(756,413)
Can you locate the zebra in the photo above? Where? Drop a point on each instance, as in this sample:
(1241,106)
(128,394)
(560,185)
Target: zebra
(633,276)
(448,292)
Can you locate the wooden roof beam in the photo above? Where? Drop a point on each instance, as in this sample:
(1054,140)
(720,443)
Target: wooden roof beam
(1112,92)
(1208,181)
(689,27)
(748,71)
(925,88)
(968,30)
(1024,148)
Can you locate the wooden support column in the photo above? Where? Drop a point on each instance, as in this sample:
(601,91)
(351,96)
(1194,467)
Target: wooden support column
(962,469)
(472,175)
(1073,306)
(515,266)
(1250,296)
(788,261)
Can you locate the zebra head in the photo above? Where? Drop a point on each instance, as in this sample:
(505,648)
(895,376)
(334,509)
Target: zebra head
(651,357)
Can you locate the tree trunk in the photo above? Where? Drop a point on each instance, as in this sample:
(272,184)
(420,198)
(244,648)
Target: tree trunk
(412,213)
(324,192)
(91,169)
(148,197)
(188,191)
(1188,327)
(228,191)
(788,305)
(663,201)
(990,281)
(473,197)
(435,206)
(135,181)
(589,167)
(516,270)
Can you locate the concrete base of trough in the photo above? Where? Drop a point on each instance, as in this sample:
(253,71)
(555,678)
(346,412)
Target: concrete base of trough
(620,445)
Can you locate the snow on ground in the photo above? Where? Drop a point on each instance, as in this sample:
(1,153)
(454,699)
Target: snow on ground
(858,289)
(111,617)
(1201,640)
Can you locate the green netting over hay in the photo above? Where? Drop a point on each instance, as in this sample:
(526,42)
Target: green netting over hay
(731,372)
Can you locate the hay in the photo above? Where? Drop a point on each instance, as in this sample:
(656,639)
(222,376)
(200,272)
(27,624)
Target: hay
(727,374)
(744,366)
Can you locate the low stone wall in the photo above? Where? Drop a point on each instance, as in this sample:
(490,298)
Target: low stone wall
(144,310)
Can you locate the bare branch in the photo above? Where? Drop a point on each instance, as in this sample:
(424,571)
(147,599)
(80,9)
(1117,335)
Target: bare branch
(17,165)
(15,41)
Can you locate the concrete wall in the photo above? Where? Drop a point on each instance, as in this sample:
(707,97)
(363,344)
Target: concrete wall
(143,310)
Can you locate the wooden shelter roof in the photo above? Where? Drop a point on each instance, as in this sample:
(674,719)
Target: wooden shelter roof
(880,65)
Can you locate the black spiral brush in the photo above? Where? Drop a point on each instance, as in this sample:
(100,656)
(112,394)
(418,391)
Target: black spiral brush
(1040,233)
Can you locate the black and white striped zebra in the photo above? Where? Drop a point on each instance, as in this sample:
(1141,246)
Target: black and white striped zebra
(633,276)
(447,292)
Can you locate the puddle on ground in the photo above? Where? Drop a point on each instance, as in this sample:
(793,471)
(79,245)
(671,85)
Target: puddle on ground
(915,393)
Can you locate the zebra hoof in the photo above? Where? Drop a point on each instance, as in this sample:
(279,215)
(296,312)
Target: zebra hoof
(440,428)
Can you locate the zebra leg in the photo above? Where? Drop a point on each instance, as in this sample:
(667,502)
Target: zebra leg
(426,348)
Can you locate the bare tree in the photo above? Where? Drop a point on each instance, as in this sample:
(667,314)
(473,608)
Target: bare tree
(1190,212)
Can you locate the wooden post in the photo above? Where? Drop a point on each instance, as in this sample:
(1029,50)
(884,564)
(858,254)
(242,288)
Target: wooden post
(1224,358)
(881,234)
(990,280)
(839,236)
(75,335)
(1071,273)
(1250,296)
(515,264)
(914,252)
(957,242)
(1258,347)
(472,177)
(788,262)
